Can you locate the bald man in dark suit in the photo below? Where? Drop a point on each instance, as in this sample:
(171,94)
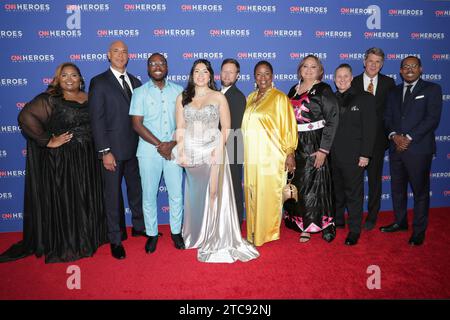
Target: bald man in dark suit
(116,142)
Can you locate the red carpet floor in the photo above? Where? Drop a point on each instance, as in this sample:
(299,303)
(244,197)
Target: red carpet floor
(286,269)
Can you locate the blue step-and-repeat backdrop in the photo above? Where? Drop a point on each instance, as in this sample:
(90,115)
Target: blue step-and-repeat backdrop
(36,36)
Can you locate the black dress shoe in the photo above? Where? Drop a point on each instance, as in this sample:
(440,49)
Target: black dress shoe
(352,239)
(417,240)
(393,228)
(118,251)
(178,240)
(150,245)
(136,233)
(329,233)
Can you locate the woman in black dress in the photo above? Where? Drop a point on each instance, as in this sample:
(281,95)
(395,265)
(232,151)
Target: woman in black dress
(63,211)
(316,110)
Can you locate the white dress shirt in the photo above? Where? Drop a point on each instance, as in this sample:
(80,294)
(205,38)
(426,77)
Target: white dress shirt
(366,79)
(224,89)
(117,74)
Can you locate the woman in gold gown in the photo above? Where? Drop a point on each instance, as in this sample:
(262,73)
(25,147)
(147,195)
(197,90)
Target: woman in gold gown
(270,137)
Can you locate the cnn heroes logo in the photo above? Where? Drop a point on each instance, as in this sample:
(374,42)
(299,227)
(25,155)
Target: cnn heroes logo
(174,32)
(88,7)
(26,7)
(32,58)
(144,7)
(256,8)
(209,8)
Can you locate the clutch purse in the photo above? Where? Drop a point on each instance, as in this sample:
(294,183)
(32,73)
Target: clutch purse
(289,190)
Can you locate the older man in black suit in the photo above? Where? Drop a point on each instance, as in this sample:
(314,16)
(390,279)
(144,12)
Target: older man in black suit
(351,150)
(236,100)
(372,81)
(116,142)
(412,115)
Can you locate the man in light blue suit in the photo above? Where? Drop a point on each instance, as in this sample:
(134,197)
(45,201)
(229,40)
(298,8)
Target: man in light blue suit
(153,117)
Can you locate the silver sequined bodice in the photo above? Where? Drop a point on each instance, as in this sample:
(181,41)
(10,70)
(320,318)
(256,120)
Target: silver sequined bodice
(202,133)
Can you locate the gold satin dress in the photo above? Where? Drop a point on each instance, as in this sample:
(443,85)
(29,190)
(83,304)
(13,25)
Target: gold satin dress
(270,133)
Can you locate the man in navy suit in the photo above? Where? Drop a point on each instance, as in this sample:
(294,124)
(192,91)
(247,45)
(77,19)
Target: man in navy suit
(412,115)
(378,84)
(116,142)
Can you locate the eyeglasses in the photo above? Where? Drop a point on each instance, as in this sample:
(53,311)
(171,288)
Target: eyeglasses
(410,66)
(157,63)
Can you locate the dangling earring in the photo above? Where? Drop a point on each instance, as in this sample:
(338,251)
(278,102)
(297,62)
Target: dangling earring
(255,85)
(80,86)
(273,86)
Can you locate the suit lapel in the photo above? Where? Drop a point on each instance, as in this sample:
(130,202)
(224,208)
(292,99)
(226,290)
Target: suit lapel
(414,93)
(359,83)
(380,85)
(117,87)
(133,82)
(229,92)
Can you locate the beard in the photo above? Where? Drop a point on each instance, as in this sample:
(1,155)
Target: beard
(226,84)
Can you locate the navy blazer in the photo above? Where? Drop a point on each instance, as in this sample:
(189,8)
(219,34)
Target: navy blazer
(420,117)
(109,109)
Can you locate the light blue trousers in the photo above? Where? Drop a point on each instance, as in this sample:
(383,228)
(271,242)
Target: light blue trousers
(150,169)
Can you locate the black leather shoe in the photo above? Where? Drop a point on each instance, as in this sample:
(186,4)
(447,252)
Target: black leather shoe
(393,228)
(329,233)
(136,233)
(178,240)
(352,239)
(417,240)
(118,251)
(150,245)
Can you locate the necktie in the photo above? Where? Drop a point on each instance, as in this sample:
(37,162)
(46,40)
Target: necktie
(407,93)
(126,87)
(370,87)
(407,97)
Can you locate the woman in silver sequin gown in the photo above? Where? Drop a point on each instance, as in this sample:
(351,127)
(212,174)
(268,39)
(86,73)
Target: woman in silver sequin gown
(210,216)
